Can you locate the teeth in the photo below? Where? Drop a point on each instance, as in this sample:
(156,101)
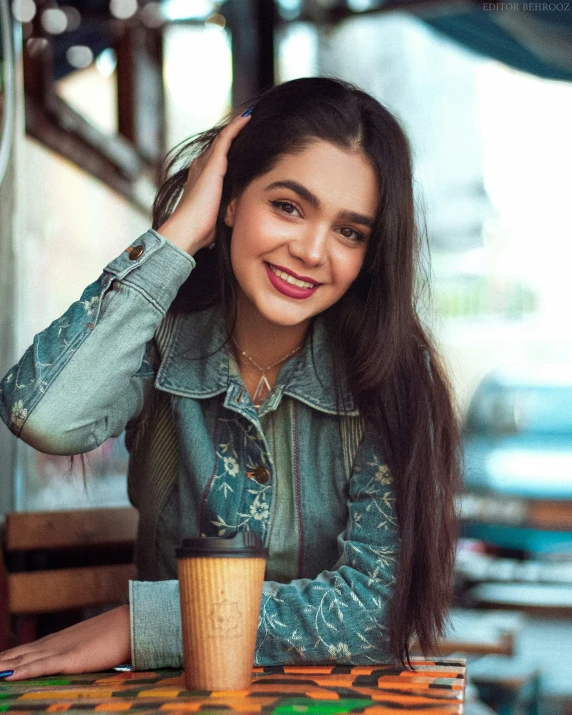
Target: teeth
(290,279)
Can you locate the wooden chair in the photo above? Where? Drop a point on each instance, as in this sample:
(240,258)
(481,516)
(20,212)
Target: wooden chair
(62,561)
(475,632)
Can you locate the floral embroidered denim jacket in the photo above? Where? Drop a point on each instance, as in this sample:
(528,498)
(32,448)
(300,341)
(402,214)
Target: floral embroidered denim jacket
(117,359)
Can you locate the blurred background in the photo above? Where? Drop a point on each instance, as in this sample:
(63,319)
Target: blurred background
(92,94)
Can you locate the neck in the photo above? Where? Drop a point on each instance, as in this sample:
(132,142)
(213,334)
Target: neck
(266,342)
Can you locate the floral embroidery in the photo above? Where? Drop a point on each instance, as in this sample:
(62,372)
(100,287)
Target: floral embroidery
(90,305)
(259,509)
(343,609)
(339,652)
(382,474)
(230,466)
(241,502)
(34,373)
(19,414)
(63,324)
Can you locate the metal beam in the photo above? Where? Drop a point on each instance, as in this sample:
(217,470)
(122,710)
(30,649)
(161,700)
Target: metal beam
(251,24)
(120,161)
(140,96)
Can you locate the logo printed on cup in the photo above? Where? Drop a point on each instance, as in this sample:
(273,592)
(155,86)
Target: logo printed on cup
(225,616)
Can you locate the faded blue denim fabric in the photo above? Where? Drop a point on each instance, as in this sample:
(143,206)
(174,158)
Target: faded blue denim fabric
(284,533)
(91,378)
(118,359)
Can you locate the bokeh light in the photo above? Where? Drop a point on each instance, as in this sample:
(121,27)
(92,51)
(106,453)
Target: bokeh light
(73,17)
(217,21)
(54,21)
(37,46)
(152,15)
(123,9)
(106,62)
(79,56)
(24,10)
(289,9)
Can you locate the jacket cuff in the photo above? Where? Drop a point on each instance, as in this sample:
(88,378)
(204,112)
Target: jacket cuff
(154,266)
(156,634)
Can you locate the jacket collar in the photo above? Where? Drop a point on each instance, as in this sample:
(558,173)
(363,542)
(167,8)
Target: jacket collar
(196,363)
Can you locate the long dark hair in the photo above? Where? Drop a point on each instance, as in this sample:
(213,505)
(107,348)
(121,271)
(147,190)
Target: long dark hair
(381,347)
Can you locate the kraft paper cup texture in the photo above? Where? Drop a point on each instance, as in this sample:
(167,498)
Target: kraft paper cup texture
(220,607)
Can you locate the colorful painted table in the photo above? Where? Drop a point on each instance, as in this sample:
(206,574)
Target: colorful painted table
(436,686)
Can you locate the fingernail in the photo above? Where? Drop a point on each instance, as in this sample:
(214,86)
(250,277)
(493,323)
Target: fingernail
(6,673)
(248,112)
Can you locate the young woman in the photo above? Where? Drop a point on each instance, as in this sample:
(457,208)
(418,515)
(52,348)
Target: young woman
(261,347)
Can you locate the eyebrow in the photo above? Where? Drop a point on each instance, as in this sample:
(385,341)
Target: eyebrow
(314,201)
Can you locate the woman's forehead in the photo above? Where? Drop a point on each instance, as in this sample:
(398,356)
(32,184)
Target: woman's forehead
(331,173)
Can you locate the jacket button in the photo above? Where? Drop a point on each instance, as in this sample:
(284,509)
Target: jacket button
(136,252)
(261,474)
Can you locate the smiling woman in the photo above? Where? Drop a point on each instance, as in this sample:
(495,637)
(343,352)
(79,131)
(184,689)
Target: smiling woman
(280,382)
(293,238)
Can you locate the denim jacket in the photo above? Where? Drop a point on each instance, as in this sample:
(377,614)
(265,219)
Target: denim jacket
(200,461)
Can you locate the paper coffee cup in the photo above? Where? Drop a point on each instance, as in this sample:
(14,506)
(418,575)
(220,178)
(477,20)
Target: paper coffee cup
(220,583)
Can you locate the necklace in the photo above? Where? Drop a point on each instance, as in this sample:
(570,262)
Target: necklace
(263,388)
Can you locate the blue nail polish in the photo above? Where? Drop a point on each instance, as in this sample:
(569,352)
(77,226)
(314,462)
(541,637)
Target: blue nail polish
(6,673)
(248,112)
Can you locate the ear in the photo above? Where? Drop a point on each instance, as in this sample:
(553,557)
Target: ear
(229,213)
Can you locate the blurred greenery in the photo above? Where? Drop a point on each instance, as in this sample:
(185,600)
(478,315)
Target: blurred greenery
(472,296)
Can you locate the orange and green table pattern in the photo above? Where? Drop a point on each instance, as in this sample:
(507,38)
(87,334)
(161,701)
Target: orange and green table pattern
(435,686)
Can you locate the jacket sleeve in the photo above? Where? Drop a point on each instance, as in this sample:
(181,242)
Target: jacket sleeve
(86,375)
(339,616)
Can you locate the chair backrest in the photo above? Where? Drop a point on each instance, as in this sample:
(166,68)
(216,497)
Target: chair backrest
(67,560)
(70,529)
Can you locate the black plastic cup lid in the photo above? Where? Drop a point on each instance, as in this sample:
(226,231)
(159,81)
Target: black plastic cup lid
(243,544)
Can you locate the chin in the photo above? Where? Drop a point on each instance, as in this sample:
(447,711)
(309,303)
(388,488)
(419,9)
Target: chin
(284,319)
(285,315)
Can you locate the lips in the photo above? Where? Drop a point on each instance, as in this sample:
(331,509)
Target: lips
(292,278)
(287,284)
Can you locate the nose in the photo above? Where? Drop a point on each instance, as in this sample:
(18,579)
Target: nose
(310,247)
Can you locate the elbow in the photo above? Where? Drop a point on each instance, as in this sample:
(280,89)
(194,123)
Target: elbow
(54,439)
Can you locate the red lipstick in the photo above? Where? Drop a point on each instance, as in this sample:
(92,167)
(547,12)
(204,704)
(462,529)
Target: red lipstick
(288,289)
(295,275)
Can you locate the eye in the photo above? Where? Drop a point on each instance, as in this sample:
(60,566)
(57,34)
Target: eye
(352,234)
(285,207)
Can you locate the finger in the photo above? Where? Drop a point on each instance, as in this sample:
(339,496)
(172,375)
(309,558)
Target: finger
(45,665)
(222,144)
(219,147)
(224,138)
(18,660)
(14,655)
(198,164)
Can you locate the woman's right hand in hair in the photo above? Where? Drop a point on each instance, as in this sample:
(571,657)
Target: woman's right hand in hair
(191,226)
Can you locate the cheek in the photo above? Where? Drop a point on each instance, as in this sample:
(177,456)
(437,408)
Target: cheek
(258,232)
(348,266)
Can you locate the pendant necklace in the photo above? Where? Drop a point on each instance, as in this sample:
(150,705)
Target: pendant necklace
(263,388)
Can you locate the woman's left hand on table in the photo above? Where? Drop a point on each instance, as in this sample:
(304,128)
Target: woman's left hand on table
(96,644)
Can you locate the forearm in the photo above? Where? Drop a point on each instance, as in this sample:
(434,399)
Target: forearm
(340,616)
(85,375)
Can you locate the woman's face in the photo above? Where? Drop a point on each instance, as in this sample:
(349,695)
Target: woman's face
(300,232)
